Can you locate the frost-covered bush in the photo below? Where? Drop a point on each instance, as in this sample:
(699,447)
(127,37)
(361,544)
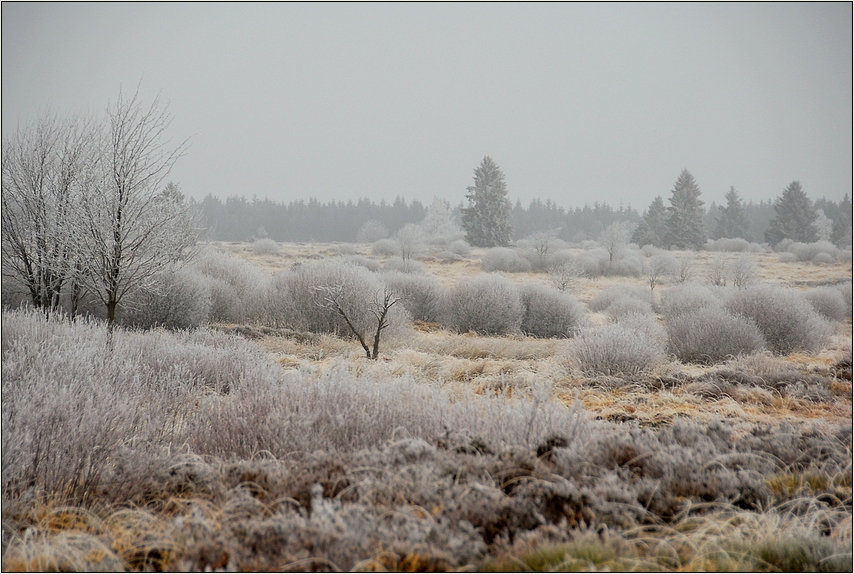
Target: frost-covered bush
(615,349)
(846,290)
(385,248)
(734,245)
(786,257)
(625,305)
(421,295)
(265,247)
(504,259)
(785,318)
(687,297)
(488,304)
(829,302)
(178,299)
(647,325)
(627,263)
(593,262)
(550,313)
(403,265)
(371,231)
(710,335)
(607,297)
(369,264)
(824,259)
(809,251)
(236,285)
(302,300)
(460,247)
(743,271)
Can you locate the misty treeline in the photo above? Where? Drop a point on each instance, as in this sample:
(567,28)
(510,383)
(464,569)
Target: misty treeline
(240,219)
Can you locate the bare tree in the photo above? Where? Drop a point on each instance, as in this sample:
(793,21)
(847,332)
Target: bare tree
(686,267)
(615,237)
(410,241)
(743,271)
(565,274)
(132,227)
(541,243)
(334,298)
(44,176)
(659,267)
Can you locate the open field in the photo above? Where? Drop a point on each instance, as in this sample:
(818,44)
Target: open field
(250,447)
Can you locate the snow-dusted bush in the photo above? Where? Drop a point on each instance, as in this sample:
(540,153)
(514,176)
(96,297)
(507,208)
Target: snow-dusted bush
(550,313)
(743,271)
(824,259)
(504,259)
(178,299)
(304,300)
(371,231)
(460,247)
(265,247)
(735,244)
(488,304)
(236,286)
(809,251)
(607,297)
(709,335)
(385,248)
(626,305)
(829,302)
(846,290)
(785,318)
(687,297)
(786,257)
(627,263)
(369,264)
(403,265)
(593,262)
(615,349)
(421,295)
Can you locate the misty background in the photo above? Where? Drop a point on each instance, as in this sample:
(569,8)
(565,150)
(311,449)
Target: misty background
(577,103)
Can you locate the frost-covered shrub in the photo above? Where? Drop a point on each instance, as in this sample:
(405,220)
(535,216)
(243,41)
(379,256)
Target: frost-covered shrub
(302,300)
(178,299)
(371,231)
(829,302)
(550,313)
(488,304)
(607,297)
(846,290)
(844,256)
(385,248)
(403,265)
(709,335)
(504,259)
(647,325)
(369,264)
(823,259)
(460,247)
(687,297)
(785,318)
(421,295)
(446,256)
(626,305)
(265,247)
(236,286)
(743,271)
(615,349)
(627,263)
(786,257)
(593,262)
(735,244)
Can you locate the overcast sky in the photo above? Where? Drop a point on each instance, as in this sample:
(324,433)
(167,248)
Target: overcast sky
(576,102)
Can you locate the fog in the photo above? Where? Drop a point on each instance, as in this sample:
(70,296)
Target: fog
(576,103)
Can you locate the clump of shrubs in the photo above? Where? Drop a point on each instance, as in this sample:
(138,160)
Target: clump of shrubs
(177,299)
(488,304)
(821,252)
(504,259)
(385,248)
(603,301)
(460,247)
(236,286)
(785,318)
(709,335)
(550,313)
(687,297)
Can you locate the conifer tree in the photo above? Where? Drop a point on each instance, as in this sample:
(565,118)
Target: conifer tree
(486,220)
(653,228)
(793,217)
(685,229)
(733,220)
(841,233)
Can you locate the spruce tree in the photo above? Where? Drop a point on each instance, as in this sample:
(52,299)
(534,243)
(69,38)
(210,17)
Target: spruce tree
(841,234)
(793,217)
(733,220)
(486,220)
(685,229)
(653,228)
